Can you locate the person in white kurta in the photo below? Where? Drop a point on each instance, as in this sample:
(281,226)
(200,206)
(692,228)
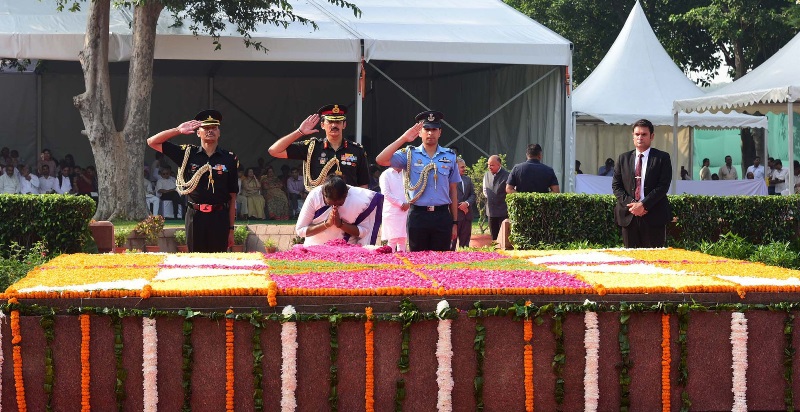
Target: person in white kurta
(395,209)
(359,215)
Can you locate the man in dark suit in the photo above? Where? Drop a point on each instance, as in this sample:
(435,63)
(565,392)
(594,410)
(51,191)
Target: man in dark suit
(466,198)
(640,183)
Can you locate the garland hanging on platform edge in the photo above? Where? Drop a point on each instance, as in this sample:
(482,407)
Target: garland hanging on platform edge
(369,349)
(591,381)
(149,365)
(229,359)
(288,359)
(86,393)
(666,364)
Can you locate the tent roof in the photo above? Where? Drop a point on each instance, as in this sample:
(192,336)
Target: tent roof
(472,31)
(638,79)
(765,89)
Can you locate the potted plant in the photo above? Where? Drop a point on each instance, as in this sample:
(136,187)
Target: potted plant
(150,228)
(121,239)
(180,240)
(270,246)
(239,238)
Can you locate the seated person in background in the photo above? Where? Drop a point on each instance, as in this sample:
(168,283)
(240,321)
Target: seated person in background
(47,183)
(64,186)
(9,181)
(84,182)
(750,176)
(47,159)
(606,169)
(5,158)
(714,176)
(68,161)
(705,172)
(578,170)
(241,202)
(277,202)
(685,174)
(335,210)
(296,190)
(150,194)
(167,190)
(251,192)
(28,182)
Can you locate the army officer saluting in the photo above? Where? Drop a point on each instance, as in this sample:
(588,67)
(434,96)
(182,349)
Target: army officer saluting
(333,154)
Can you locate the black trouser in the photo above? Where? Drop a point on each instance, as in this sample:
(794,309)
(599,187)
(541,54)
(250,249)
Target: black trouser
(494,225)
(429,230)
(207,231)
(641,234)
(464,233)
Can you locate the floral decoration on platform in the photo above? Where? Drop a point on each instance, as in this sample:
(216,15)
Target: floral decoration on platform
(340,269)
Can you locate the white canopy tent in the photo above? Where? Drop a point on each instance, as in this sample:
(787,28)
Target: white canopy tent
(774,86)
(637,79)
(480,57)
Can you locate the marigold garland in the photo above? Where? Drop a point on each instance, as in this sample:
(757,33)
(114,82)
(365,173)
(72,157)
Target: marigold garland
(369,346)
(527,336)
(16,339)
(666,361)
(229,373)
(85,367)
(149,364)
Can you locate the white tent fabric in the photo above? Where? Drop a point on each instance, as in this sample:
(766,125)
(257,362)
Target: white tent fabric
(768,88)
(637,79)
(774,86)
(498,75)
(469,31)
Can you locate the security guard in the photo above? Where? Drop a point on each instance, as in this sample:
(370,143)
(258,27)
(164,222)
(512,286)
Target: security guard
(333,154)
(208,175)
(430,181)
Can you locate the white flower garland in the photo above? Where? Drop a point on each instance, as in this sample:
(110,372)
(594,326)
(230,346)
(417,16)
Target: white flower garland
(289,365)
(739,355)
(150,364)
(444,356)
(591,341)
(2,359)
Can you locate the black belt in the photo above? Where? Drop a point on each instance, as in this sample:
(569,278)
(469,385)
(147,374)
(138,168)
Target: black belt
(430,208)
(206,208)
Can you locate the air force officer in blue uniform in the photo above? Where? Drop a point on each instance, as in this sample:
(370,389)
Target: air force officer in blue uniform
(432,183)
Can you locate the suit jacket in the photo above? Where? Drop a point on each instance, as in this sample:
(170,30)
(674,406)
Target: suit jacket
(466,194)
(496,193)
(658,178)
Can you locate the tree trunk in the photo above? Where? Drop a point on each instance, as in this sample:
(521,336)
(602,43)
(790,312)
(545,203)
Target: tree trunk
(119,155)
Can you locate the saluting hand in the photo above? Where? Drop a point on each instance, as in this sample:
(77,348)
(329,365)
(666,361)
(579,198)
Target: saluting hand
(307,127)
(412,133)
(189,127)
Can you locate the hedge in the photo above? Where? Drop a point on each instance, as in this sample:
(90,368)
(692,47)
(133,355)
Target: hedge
(555,219)
(61,221)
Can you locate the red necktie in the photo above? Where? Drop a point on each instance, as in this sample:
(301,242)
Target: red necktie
(638,177)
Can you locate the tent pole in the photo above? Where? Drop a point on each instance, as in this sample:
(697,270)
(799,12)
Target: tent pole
(359,104)
(674,152)
(39,116)
(766,153)
(790,133)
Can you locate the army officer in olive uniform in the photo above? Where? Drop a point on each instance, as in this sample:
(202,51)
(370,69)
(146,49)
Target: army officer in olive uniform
(207,174)
(332,155)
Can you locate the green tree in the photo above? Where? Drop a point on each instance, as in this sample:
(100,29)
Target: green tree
(745,32)
(119,149)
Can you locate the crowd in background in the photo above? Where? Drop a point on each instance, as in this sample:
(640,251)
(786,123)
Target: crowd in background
(45,175)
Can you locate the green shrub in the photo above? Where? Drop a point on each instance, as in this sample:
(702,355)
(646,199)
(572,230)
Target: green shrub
(558,220)
(151,228)
(62,221)
(240,234)
(20,261)
(121,236)
(777,254)
(729,245)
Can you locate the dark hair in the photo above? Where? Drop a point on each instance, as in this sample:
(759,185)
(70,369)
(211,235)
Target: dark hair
(778,162)
(534,150)
(609,162)
(334,188)
(643,123)
(706,160)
